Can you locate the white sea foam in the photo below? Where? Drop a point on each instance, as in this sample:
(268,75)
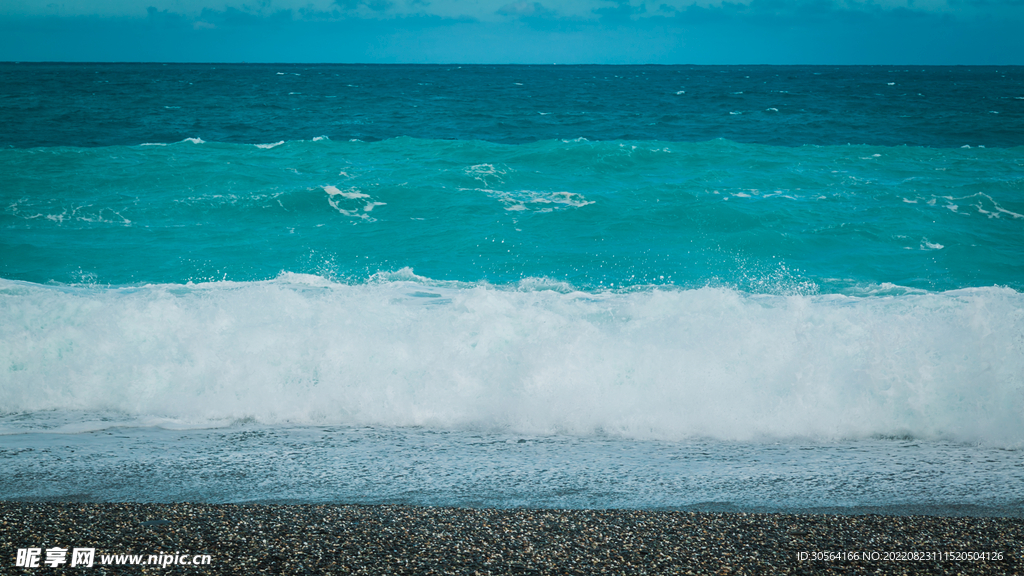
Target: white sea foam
(351,193)
(269,146)
(531,200)
(351,202)
(83,213)
(401,350)
(982,202)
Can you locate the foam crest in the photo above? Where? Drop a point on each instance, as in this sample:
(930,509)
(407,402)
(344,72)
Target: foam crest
(528,358)
(342,201)
(527,200)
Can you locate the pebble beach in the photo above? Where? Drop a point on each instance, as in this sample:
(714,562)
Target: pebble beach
(351,539)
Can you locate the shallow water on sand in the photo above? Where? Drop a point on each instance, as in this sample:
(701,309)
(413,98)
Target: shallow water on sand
(372,465)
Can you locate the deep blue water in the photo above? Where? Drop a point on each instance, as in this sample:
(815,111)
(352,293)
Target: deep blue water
(732,256)
(128,104)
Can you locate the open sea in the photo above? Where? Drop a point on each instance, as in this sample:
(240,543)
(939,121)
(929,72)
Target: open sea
(659,287)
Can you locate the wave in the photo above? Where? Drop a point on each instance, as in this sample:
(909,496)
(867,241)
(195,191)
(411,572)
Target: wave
(535,357)
(626,212)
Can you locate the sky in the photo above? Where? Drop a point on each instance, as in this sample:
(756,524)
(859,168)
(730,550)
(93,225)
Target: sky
(939,32)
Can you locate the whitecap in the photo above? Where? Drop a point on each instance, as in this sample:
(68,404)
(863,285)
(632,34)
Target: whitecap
(351,202)
(269,146)
(351,193)
(487,174)
(524,200)
(996,211)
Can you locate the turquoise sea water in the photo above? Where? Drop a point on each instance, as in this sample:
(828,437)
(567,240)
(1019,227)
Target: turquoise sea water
(597,215)
(581,269)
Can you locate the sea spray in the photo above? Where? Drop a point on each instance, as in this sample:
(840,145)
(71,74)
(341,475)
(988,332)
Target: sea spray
(646,363)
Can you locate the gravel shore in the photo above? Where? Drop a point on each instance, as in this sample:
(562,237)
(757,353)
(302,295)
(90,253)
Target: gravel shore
(343,539)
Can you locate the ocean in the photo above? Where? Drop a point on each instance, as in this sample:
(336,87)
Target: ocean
(730,288)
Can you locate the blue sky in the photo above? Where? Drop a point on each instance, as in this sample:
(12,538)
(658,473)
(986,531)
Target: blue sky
(517,31)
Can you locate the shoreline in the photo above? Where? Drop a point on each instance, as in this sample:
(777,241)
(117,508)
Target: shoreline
(400,539)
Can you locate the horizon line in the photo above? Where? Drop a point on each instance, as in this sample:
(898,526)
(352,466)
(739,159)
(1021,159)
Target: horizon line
(273,63)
